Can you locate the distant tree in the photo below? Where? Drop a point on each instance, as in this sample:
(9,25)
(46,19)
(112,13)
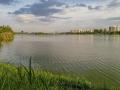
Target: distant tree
(22,31)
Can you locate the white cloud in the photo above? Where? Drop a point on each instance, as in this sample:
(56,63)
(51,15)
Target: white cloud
(84,14)
(27,18)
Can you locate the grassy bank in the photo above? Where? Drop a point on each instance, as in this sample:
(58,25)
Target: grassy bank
(22,78)
(25,78)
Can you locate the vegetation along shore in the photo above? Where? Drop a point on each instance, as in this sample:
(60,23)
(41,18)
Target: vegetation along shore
(6,33)
(26,78)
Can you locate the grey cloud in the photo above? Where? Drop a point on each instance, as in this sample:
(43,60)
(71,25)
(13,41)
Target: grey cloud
(114,18)
(75,5)
(6,2)
(90,7)
(46,8)
(114,3)
(43,8)
(94,8)
(80,5)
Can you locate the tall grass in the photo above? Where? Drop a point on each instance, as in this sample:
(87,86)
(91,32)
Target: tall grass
(27,78)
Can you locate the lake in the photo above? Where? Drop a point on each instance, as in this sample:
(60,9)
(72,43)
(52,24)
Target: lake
(96,57)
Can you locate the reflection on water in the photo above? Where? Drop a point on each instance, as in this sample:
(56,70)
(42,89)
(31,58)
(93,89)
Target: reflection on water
(87,55)
(0,44)
(5,42)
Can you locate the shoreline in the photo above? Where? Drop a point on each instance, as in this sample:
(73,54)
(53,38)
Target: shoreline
(26,78)
(65,34)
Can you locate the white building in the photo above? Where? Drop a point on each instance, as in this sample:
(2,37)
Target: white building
(80,30)
(114,28)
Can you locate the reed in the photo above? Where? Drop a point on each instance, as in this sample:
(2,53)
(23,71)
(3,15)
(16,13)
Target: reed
(26,78)
(6,33)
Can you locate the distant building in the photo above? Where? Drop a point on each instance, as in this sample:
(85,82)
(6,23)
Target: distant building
(114,28)
(76,31)
(80,30)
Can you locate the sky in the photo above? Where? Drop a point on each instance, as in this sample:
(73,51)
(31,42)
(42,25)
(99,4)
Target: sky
(58,15)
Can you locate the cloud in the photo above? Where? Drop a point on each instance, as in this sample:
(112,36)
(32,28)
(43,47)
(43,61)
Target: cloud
(43,8)
(81,5)
(75,5)
(26,18)
(6,2)
(94,8)
(49,9)
(114,3)
(114,18)
(89,7)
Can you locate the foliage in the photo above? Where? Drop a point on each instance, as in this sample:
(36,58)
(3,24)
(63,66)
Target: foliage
(5,29)
(6,33)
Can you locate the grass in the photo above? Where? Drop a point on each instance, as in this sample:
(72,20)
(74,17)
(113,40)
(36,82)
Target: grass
(25,78)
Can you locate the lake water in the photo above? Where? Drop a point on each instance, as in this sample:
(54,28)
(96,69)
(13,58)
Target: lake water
(96,57)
